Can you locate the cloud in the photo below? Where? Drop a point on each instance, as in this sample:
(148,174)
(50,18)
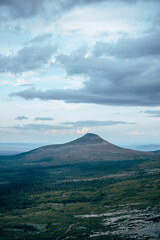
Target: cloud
(136,133)
(26,85)
(80,126)
(68,95)
(50,132)
(133,81)
(43,119)
(91,123)
(109,82)
(153,113)
(20,118)
(21,9)
(40,38)
(31,8)
(39,127)
(46,9)
(83,130)
(27,59)
(145,46)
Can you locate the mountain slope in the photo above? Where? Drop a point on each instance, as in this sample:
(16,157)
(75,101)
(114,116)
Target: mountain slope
(89,148)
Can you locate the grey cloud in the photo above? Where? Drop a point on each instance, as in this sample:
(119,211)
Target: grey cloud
(39,127)
(20,118)
(26,85)
(32,93)
(69,95)
(153,113)
(66,125)
(148,45)
(31,8)
(43,119)
(109,80)
(21,9)
(80,96)
(91,123)
(27,59)
(40,38)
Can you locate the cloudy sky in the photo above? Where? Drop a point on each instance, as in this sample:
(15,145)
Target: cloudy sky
(71,67)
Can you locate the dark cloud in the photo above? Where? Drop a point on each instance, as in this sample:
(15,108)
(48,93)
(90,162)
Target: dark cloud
(45,8)
(20,118)
(43,119)
(91,123)
(153,113)
(21,9)
(32,93)
(27,59)
(147,45)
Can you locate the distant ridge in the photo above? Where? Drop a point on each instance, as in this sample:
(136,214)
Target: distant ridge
(88,148)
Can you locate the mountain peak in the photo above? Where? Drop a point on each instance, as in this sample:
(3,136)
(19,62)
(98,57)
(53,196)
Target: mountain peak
(91,135)
(89,138)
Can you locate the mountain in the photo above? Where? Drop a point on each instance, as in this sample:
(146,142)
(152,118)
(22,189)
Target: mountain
(89,148)
(148,148)
(158,151)
(16,148)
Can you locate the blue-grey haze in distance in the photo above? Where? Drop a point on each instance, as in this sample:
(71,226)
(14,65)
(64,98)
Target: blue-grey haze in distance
(71,67)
